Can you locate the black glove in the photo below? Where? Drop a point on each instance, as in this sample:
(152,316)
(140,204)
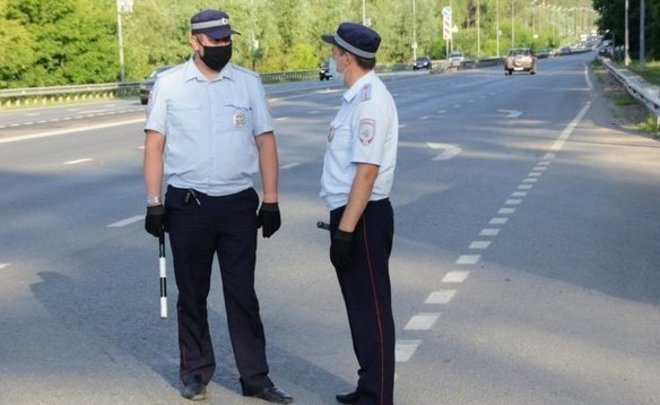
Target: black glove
(269,218)
(340,250)
(154,222)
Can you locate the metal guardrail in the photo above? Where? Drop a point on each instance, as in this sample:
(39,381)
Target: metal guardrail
(637,87)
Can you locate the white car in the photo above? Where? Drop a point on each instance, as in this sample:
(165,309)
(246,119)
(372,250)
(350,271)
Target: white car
(456,59)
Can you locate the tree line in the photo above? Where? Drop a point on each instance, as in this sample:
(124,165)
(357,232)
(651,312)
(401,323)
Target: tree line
(612,22)
(46,42)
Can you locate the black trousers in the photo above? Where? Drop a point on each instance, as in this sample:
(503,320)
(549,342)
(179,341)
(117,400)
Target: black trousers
(367,294)
(227,227)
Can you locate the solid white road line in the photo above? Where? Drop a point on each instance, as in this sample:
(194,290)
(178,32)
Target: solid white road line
(404,349)
(127,221)
(69,131)
(559,143)
(289,166)
(423,321)
(78,161)
(455,277)
(441,297)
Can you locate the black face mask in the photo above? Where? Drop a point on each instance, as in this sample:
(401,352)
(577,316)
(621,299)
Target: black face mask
(216,57)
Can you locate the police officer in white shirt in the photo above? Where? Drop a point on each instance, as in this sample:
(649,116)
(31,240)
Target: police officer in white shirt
(358,170)
(208,131)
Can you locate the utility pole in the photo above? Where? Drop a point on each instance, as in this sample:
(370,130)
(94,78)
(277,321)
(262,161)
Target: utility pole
(627,39)
(364,13)
(497,25)
(642,28)
(414,44)
(478,32)
(123,6)
(513,25)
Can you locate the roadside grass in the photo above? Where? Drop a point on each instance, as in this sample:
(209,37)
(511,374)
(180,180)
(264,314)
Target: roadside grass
(651,72)
(651,126)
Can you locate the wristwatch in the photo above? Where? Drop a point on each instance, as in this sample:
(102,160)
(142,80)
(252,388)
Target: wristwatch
(154,200)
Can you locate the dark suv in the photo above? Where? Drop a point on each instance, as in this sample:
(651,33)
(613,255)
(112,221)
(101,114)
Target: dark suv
(423,62)
(148,84)
(520,60)
(324,71)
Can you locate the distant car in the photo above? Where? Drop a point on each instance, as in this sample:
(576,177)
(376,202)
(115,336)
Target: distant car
(456,59)
(324,71)
(148,83)
(423,62)
(564,51)
(520,60)
(543,53)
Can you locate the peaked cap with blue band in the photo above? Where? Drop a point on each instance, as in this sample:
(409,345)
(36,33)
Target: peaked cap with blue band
(356,39)
(213,23)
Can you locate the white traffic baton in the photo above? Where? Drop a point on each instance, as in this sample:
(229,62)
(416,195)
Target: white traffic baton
(162,264)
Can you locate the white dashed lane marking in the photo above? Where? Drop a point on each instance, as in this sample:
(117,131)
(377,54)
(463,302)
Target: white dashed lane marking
(127,221)
(479,245)
(498,221)
(441,297)
(3,265)
(466,260)
(424,321)
(506,211)
(289,166)
(404,349)
(489,232)
(455,277)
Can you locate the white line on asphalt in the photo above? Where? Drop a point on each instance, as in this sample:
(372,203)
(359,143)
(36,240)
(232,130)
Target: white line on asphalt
(450,151)
(441,297)
(78,161)
(32,114)
(506,211)
(289,166)
(442,111)
(525,187)
(457,106)
(28,123)
(69,131)
(127,221)
(3,265)
(498,221)
(559,143)
(404,349)
(423,321)
(540,168)
(544,163)
(489,232)
(141,147)
(549,155)
(535,174)
(479,245)
(513,202)
(586,76)
(528,180)
(424,117)
(519,194)
(402,125)
(314,112)
(455,277)
(281,119)
(466,260)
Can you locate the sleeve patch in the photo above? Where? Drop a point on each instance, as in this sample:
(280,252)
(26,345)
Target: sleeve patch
(367,131)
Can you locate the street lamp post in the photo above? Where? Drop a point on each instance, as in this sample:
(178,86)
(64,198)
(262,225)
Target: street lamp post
(497,25)
(513,25)
(123,6)
(364,13)
(642,28)
(414,44)
(627,39)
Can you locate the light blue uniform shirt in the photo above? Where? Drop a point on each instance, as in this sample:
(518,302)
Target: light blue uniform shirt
(365,130)
(210,126)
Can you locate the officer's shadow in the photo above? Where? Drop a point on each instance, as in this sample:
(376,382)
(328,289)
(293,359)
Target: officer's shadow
(122,317)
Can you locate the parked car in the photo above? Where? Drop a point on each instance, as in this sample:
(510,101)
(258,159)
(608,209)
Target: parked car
(324,71)
(456,59)
(423,62)
(148,83)
(543,53)
(520,60)
(566,50)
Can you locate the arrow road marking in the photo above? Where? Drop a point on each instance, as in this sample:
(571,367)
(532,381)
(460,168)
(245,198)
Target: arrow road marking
(510,113)
(450,151)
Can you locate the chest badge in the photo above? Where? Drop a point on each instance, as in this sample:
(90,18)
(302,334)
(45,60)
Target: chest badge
(239,119)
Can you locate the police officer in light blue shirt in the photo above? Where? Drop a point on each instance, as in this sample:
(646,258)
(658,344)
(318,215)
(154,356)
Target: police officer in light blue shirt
(358,170)
(208,132)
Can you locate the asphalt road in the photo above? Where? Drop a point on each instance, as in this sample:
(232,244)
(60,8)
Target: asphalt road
(525,267)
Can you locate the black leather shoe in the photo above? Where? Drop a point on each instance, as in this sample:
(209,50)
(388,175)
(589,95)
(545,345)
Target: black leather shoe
(274,395)
(350,398)
(194,392)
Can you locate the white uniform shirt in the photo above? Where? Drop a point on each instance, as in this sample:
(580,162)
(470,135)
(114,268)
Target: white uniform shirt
(209,127)
(365,130)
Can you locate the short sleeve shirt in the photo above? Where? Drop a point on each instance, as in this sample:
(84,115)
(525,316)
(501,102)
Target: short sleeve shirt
(210,126)
(365,130)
